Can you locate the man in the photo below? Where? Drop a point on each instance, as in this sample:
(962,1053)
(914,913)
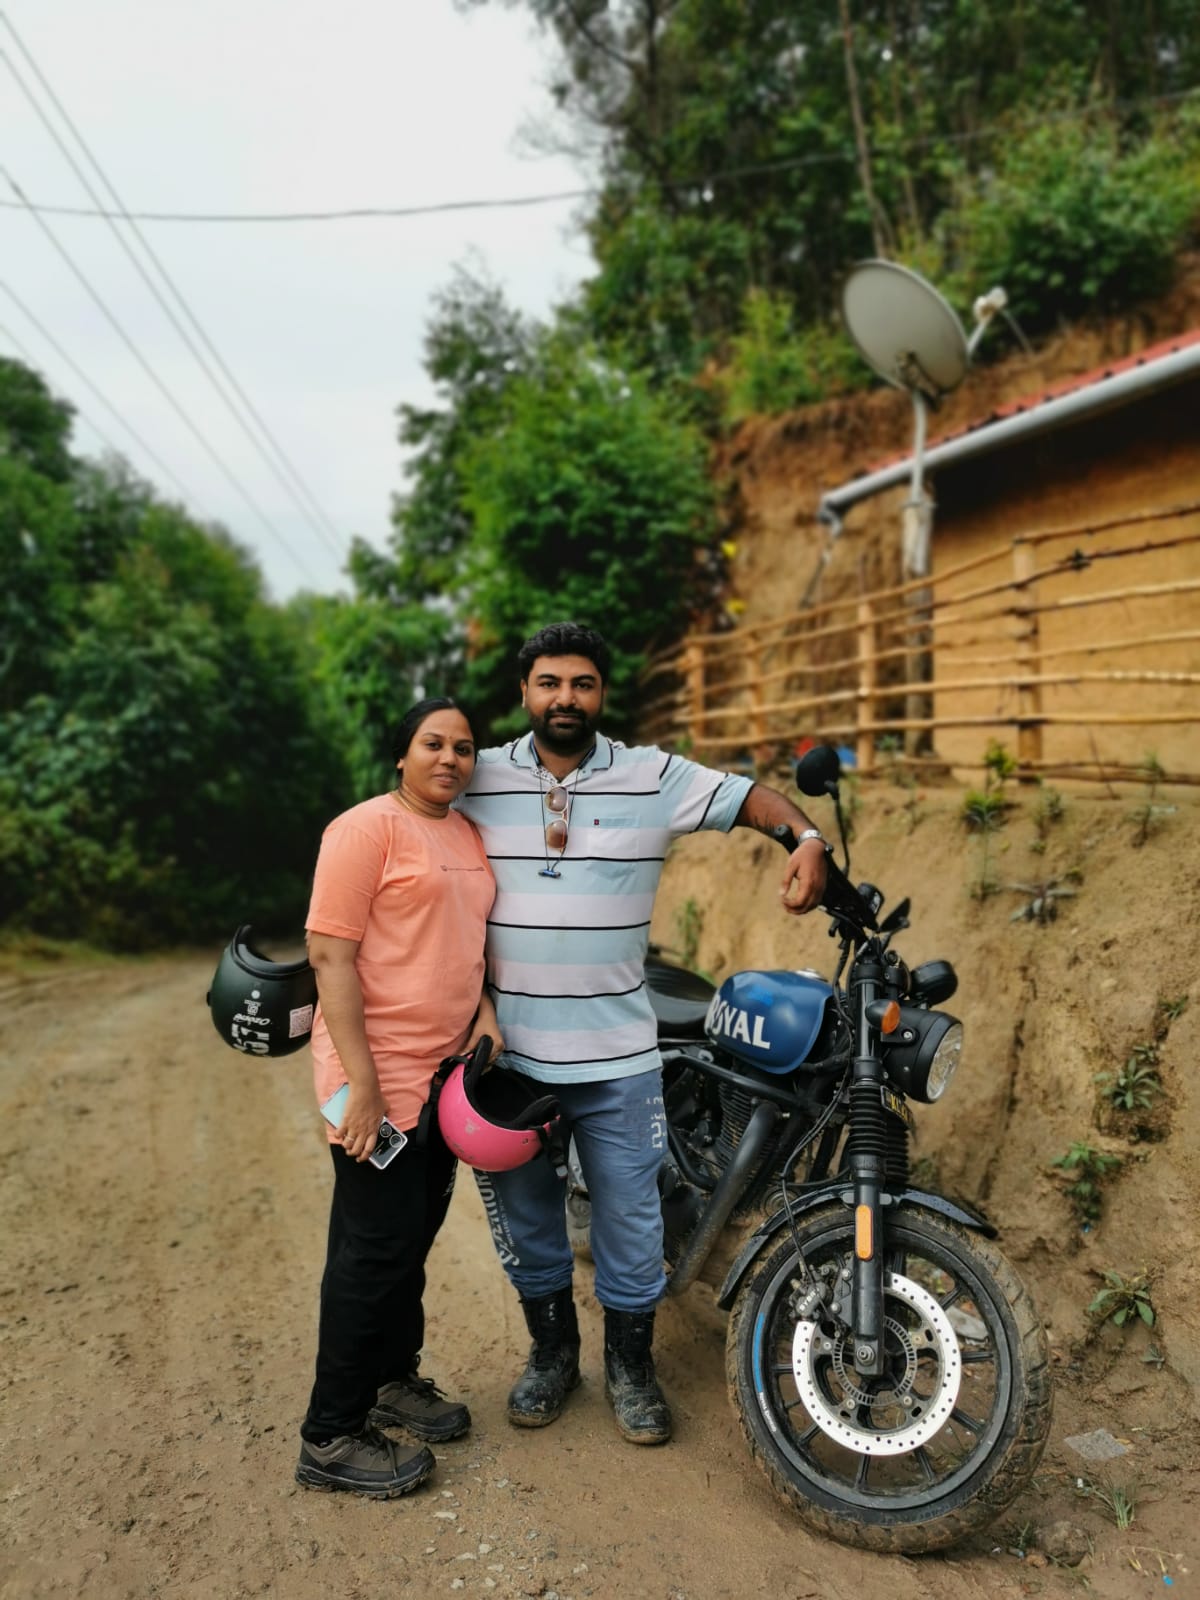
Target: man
(577,828)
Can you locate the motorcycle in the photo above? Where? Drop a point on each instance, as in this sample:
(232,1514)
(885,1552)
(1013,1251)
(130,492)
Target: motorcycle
(887,1366)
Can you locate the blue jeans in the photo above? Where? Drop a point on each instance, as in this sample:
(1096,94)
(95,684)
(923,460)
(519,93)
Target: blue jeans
(620,1132)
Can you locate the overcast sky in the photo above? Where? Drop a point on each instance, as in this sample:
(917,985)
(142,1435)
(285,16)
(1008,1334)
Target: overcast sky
(275,105)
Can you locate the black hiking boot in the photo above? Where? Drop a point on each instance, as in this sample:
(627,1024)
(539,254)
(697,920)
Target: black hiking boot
(418,1405)
(552,1370)
(642,1413)
(364,1463)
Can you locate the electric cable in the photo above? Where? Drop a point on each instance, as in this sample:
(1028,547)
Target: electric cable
(188,494)
(592,191)
(110,317)
(297,490)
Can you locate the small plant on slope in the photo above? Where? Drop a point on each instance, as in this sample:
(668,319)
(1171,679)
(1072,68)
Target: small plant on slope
(1135,1085)
(1089,1169)
(1123,1299)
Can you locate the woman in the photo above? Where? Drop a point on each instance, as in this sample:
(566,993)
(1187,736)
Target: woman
(395,933)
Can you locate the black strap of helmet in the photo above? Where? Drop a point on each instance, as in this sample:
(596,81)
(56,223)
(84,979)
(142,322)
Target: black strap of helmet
(429,1110)
(476,1065)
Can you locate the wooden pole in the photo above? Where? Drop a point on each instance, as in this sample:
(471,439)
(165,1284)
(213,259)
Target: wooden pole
(865,742)
(758,721)
(693,666)
(1027,633)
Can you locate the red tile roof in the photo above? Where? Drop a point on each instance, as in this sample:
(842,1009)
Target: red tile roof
(1031,402)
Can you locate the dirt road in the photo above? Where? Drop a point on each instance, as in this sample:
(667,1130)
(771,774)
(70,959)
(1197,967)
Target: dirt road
(163,1212)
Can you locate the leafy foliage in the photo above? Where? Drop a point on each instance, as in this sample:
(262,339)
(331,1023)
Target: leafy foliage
(1123,1299)
(1076,219)
(761,146)
(1136,1085)
(772,367)
(1089,1170)
(587,503)
(164,766)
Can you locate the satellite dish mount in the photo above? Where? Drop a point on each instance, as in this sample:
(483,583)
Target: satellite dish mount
(910,336)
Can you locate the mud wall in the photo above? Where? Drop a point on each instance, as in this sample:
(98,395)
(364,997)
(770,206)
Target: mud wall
(1141,459)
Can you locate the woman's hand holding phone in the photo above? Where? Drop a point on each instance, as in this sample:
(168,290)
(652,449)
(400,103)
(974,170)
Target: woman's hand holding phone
(359,1128)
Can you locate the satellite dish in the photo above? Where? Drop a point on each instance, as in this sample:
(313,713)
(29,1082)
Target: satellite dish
(904,329)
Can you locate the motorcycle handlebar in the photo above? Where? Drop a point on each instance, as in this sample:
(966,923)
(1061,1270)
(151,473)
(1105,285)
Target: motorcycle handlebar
(841,899)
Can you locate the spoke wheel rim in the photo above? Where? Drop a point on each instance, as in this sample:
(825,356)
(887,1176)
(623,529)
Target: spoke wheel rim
(838,1471)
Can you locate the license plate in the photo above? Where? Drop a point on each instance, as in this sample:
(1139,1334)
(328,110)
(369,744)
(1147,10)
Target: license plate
(892,1102)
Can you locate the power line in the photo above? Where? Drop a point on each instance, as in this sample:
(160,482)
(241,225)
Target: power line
(297,490)
(351,214)
(819,158)
(188,494)
(206,444)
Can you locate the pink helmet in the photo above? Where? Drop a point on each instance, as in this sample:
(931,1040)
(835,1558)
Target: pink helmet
(492,1119)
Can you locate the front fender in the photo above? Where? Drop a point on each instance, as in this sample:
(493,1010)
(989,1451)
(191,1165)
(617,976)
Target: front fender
(837,1189)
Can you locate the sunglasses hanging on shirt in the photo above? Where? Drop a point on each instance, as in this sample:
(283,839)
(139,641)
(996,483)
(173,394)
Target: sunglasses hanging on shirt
(557,801)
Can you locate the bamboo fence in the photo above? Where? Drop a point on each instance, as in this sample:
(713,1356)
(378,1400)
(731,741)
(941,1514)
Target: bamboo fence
(885,672)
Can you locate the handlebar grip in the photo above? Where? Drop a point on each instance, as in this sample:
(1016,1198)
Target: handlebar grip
(842,899)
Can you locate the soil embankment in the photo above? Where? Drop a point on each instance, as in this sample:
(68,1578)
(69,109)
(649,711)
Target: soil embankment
(163,1205)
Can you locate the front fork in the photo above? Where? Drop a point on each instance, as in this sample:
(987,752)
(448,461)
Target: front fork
(867,1160)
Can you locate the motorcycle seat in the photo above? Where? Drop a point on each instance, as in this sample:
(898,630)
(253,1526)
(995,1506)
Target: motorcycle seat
(680,998)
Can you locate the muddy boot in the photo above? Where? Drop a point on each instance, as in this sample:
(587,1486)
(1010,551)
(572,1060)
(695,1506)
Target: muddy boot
(552,1370)
(642,1413)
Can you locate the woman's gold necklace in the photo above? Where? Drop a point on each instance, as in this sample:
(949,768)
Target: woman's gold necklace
(402,799)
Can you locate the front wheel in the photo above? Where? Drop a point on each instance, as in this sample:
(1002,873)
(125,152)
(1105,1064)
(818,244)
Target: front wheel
(949,1435)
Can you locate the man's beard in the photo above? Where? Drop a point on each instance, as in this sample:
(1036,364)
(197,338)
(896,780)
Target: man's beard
(563,738)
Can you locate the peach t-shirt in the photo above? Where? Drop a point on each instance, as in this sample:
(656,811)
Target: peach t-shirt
(415,892)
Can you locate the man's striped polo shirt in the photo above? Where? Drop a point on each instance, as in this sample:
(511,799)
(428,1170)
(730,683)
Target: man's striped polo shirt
(566,954)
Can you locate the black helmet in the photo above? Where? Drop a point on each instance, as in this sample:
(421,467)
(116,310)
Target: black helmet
(261,1007)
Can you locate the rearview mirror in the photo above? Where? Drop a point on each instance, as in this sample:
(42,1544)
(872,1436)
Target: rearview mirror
(818,771)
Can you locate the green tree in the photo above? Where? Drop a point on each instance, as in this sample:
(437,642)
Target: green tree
(167,756)
(767,144)
(588,502)
(372,659)
(34,426)
(475,345)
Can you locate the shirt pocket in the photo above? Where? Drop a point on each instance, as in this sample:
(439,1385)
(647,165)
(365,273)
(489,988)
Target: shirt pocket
(616,837)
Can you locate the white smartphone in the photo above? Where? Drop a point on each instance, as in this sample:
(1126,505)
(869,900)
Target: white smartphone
(389,1142)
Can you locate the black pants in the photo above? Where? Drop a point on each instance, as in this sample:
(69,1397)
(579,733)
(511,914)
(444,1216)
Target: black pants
(381,1226)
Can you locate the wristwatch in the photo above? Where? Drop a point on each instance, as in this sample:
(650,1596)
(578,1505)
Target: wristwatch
(813,833)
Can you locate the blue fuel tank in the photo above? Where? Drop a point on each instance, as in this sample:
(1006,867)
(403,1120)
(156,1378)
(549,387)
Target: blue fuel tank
(771,1020)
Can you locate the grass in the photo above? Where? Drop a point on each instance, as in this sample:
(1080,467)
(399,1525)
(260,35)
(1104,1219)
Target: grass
(29,954)
(1119,1499)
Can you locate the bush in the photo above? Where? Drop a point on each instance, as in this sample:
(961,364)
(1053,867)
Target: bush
(773,367)
(1073,220)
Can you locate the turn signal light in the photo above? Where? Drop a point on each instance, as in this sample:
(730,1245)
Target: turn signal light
(884,1015)
(864,1240)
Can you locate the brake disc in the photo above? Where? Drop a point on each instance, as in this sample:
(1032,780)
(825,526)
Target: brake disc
(913,1346)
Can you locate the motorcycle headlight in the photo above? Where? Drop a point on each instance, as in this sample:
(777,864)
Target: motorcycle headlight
(923,1052)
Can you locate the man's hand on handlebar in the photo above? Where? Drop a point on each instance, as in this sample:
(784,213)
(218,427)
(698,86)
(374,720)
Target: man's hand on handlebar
(804,880)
